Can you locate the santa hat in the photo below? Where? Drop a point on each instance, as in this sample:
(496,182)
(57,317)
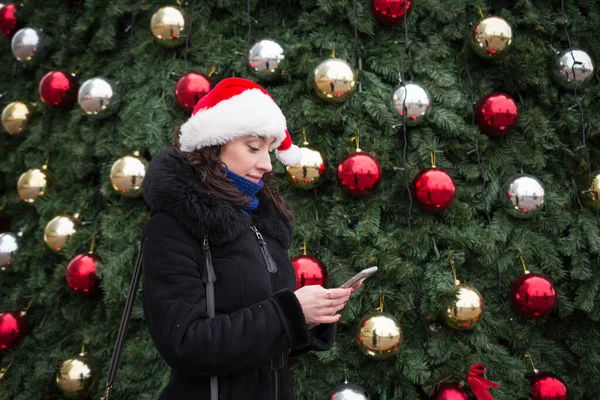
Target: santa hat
(235,108)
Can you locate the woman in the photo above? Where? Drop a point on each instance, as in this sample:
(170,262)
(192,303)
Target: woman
(213,208)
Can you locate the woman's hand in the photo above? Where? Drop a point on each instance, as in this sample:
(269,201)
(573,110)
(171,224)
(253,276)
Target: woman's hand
(320,306)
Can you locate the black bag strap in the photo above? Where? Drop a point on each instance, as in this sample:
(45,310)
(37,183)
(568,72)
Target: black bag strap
(133,287)
(116,357)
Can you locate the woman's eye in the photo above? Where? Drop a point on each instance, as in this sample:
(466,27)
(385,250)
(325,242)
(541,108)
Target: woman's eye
(254,149)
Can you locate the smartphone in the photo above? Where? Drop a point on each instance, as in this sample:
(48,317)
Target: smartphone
(361,276)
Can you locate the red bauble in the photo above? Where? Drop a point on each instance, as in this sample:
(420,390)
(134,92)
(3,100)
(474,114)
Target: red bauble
(81,274)
(450,391)
(359,174)
(191,88)
(9,23)
(496,114)
(433,189)
(533,295)
(390,12)
(4,222)
(547,386)
(58,89)
(309,271)
(13,328)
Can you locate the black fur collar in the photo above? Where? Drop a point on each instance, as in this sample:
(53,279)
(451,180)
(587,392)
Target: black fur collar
(170,186)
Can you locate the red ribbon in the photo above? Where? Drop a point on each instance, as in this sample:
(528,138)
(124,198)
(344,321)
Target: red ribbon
(480,385)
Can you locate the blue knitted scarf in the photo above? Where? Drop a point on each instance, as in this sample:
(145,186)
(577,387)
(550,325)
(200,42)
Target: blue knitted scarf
(248,188)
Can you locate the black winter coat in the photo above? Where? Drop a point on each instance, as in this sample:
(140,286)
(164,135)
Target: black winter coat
(259,321)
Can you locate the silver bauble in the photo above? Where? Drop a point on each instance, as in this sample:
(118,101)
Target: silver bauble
(28,46)
(265,59)
(522,196)
(348,391)
(8,247)
(98,98)
(412,100)
(573,68)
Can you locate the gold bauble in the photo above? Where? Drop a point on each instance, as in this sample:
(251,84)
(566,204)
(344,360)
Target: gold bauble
(34,184)
(491,37)
(77,377)
(59,230)
(16,116)
(310,173)
(127,175)
(170,26)
(590,194)
(334,80)
(379,336)
(465,310)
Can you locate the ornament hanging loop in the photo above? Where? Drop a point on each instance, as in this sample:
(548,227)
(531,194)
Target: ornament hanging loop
(432,158)
(213,70)
(304,136)
(3,371)
(381,302)
(535,370)
(93,243)
(523,263)
(456,281)
(304,247)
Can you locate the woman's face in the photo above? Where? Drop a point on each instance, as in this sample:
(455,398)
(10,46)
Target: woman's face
(248,156)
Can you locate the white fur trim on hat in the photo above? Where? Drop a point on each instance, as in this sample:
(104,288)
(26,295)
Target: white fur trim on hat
(291,156)
(251,112)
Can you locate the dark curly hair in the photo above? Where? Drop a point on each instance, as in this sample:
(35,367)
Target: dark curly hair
(207,164)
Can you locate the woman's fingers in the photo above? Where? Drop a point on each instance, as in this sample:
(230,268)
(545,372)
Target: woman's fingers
(332,294)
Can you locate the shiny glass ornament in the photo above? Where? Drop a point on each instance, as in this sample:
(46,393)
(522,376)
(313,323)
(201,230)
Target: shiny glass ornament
(98,97)
(496,114)
(491,37)
(59,230)
(127,175)
(433,189)
(450,391)
(390,12)
(58,89)
(34,184)
(16,116)
(81,274)
(334,80)
(522,196)
(573,68)
(590,193)
(309,271)
(76,377)
(9,23)
(348,391)
(28,46)
(170,26)
(9,246)
(379,336)
(265,59)
(13,328)
(359,174)
(548,386)
(533,295)
(310,173)
(465,310)
(191,88)
(411,100)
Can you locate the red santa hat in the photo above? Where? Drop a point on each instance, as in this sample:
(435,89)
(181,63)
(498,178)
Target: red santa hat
(235,108)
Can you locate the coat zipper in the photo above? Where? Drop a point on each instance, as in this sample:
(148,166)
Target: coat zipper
(271,268)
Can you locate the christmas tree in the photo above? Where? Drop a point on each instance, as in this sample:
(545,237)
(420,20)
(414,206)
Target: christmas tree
(507,116)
